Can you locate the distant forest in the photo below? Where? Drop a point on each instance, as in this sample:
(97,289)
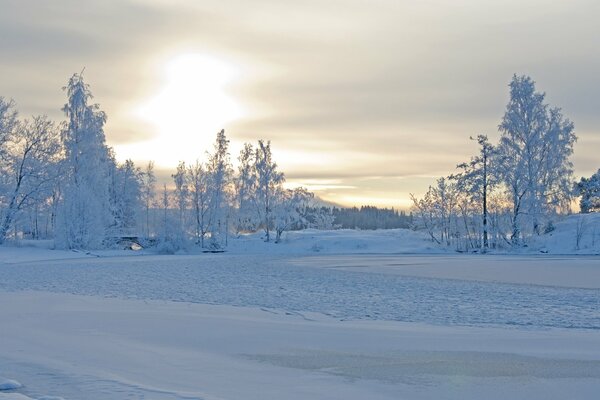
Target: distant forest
(369,217)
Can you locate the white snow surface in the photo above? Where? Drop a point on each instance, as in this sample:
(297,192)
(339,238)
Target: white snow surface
(343,241)
(323,315)
(95,348)
(14,396)
(561,241)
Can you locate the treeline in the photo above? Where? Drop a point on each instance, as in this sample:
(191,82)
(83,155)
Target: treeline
(370,217)
(62,182)
(512,190)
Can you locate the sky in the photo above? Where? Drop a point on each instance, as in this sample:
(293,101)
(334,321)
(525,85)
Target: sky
(364,101)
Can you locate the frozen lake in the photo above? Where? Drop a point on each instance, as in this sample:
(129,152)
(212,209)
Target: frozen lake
(518,291)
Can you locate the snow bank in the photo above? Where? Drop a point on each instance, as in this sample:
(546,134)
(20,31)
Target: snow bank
(343,241)
(574,234)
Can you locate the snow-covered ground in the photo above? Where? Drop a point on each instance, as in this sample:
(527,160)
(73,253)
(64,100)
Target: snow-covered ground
(322,315)
(561,241)
(343,241)
(94,348)
(305,325)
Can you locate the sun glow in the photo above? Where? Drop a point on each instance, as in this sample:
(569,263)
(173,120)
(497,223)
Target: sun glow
(188,111)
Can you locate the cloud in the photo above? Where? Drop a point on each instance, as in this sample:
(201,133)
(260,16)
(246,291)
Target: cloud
(385,88)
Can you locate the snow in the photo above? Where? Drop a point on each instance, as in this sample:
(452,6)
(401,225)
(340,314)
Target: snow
(110,348)
(571,271)
(368,315)
(342,241)
(9,384)
(285,282)
(563,239)
(14,396)
(328,326)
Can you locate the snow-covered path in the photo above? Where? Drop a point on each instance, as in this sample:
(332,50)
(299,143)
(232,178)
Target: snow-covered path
(340,287)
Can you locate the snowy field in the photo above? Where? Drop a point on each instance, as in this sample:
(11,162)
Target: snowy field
(299,326)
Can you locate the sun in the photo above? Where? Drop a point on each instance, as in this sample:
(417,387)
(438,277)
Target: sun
(191,106)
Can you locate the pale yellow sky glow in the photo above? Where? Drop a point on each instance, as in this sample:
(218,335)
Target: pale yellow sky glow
(363,101)
(192,104)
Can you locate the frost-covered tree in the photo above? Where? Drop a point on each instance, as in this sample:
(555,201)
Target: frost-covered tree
(437,211)
(534,156)
(148,193)
(268,184)
(290,210)
(476,180)
(28,167)
(84,214)
(181,194)
(220,174)
(8,124)
(322,217)
(446,205)
(589,190)
(126,196)
(245,185)
(167,241)
(199,185)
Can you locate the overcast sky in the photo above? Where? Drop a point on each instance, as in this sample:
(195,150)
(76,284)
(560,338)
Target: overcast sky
(364,101)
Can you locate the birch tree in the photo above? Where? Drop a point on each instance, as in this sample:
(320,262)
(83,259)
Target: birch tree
(198,182)
(148,193)
(220,173)
(181,194)
(476,179)
(535,149)
(268,183)
(8,124)
(28,169)
(84,213)
(245,185)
